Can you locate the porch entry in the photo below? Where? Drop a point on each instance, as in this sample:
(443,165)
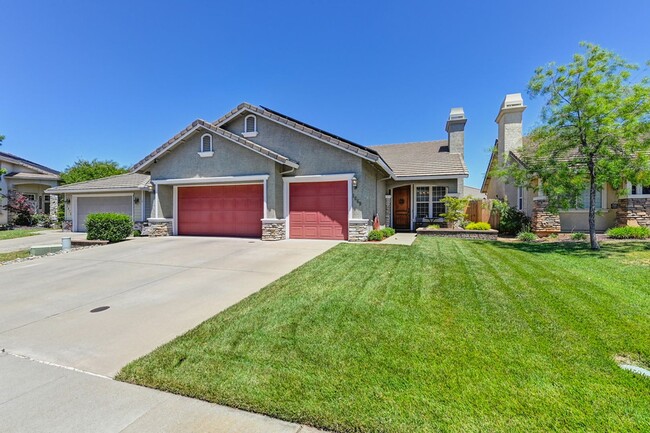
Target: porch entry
(402,208)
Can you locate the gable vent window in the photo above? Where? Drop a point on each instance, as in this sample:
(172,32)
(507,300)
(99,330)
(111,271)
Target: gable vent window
(206,146)
(250,126)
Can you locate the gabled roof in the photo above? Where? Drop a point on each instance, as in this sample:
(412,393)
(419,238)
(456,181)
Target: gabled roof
(311,131)
(424,159)
(27,163)
(202,124)
(32,176)
(120,182)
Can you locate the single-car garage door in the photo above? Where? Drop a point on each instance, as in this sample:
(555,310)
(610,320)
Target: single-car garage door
(225,210)
(318,210)
(115,204)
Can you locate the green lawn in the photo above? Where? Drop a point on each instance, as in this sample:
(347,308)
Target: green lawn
(7,257)
(19,233)
(444,336)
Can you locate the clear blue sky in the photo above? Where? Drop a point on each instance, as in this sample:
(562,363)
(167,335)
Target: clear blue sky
(115,79)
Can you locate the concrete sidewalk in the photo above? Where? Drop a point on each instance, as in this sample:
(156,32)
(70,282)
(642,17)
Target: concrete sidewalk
(37,398)
(45,237)
(400,239)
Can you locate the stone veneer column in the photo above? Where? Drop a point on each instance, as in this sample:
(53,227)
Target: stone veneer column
(54,206)
(389,210)
(633,212)
(358,230)
(274,229)
(543,222)
(66,225)
(160,228)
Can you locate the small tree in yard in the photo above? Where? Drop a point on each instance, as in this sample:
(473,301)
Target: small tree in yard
(455,212)
(21,208)
(595,130)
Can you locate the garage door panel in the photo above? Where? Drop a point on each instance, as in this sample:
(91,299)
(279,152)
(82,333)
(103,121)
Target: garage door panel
(228,210)
(102,204)
(318,210)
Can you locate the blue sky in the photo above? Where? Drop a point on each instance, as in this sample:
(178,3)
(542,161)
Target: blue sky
(113,80)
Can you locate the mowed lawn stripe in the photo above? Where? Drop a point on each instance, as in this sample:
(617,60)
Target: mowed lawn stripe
(447,335)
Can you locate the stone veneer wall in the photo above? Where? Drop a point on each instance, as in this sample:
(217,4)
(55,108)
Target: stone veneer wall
(358,230)
(274,230)
(54,206)
(633,212)
(543,221)
(483,235)
(66,226)
(159,229)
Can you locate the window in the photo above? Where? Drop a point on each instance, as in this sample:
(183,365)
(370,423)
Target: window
(206,143)
(520,198)
(250,126)
(427,201)
(582,201)
(640,190)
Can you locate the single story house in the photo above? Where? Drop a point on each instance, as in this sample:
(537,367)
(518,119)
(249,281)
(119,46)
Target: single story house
(629,208)
(258,173)
(29,179)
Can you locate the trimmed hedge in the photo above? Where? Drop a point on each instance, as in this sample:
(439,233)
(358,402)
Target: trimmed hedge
(112,227)
(478,226)
(629,232)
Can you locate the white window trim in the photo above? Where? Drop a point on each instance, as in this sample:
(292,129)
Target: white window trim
(639,187)
(75,219)
(414,210)
(206,153)
(212,181)
(603,204)
(520,198)
(253,133)
(314,178)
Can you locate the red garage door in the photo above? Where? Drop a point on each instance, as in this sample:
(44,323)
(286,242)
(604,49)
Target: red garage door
(232,210)
(318,210)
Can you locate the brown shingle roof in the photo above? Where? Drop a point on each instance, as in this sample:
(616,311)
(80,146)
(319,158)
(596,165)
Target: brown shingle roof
(422,159)
(126,182)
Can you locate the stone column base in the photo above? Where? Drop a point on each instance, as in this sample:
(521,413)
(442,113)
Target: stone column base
(159,227)
(66,226)
(358,230)
(274,229)
(544,223)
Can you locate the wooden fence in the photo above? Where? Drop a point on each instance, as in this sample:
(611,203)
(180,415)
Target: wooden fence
(480,211)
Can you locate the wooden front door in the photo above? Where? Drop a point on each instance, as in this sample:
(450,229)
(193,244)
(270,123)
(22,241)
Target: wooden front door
(402,208)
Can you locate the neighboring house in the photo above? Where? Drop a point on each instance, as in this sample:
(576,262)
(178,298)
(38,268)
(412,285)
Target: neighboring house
(258,173)
(29,179)
(631,208)
(474,192)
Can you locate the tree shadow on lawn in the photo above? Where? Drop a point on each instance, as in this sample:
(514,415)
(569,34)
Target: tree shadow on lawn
(579,249)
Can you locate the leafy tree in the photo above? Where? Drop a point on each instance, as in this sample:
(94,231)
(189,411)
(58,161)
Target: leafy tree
(455,212)
(83,170)
(595,130)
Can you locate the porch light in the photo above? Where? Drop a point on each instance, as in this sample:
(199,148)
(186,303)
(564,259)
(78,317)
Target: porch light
(355,182)
(136,200)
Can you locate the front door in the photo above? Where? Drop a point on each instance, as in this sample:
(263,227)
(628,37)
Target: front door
(402,208)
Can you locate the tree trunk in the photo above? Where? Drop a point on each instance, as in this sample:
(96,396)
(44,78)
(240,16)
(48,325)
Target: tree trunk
(592,205)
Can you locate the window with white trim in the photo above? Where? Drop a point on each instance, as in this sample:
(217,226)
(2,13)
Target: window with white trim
(206,143)
(520,198)
(640,190)
(250,124)
(427,201)
(582,201)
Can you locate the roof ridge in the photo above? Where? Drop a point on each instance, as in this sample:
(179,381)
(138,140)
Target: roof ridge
(407,142)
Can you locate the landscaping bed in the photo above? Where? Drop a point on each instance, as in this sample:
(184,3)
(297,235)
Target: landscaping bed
(486,235)
(443,336)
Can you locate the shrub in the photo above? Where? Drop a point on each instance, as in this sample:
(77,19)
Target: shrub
(478,226)
(388,231)
(578,236)
(629,233)
(526,236)
(511,220)
(42,220)
(21,209)
(110,227)
(433,226)
(375,235)
(552,236)
(137,233)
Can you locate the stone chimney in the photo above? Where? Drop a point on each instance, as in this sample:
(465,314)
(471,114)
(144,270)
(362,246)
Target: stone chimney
(509,120)
(456,130)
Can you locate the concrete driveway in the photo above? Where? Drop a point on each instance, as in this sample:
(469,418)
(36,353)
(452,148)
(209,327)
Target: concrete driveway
(156,289)
(45,237)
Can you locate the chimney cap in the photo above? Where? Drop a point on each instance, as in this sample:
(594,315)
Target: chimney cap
(513,102)
(457,113)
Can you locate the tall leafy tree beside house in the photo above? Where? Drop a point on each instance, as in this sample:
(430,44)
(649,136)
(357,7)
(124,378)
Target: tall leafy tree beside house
(594,131)
(83,170)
